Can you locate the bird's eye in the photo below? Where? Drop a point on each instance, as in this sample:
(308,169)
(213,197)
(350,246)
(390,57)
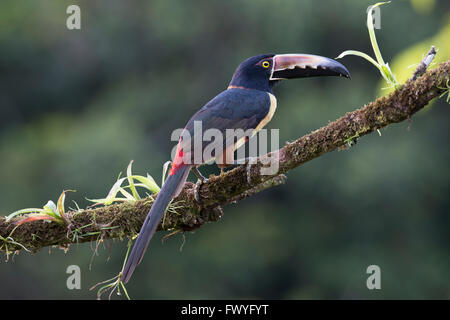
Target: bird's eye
(265,64)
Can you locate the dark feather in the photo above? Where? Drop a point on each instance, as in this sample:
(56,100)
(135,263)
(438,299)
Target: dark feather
(232,109)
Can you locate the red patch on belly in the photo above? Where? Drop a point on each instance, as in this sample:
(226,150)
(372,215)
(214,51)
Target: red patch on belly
(177,162)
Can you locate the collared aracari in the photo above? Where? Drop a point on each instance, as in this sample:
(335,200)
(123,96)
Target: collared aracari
(248,103)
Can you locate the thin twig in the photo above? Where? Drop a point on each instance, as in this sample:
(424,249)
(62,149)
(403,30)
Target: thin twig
(423,65)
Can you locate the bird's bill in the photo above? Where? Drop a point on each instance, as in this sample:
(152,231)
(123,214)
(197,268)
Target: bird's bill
(290,66)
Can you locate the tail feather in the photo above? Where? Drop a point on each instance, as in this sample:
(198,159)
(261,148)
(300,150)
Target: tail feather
(169,190)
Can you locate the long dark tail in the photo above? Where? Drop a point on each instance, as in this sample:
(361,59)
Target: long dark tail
(172,186)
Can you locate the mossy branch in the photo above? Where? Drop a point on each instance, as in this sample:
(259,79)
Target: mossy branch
(124,220)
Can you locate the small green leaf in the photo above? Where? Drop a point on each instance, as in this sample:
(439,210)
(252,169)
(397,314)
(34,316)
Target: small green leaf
(131,182)
(52,210)
(373,39)
(145,182)
(60,206)
(383,67)
(127,195)
(165,168)
(362,55)
(149,182)
(51,207)
(23,211)
(113,192)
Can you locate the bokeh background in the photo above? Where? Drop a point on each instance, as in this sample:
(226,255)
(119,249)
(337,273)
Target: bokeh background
(77,105)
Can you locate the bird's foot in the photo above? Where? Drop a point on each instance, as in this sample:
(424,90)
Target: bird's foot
(249,174)
(248,164)
(201,180)
(198,174)
(197,188)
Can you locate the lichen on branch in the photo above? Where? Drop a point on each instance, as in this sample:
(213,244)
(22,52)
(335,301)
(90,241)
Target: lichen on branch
(125,219)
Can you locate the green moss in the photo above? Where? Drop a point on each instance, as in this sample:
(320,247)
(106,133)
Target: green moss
(125,219)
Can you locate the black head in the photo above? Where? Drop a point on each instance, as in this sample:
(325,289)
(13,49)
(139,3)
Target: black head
(261,72)
(254,73)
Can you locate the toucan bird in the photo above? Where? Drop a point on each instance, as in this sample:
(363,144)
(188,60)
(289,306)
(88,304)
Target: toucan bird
(247,103)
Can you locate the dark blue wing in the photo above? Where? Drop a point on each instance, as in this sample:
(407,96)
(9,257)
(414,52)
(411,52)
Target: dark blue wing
(232,109)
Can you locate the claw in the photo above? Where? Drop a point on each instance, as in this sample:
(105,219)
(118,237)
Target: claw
(249,174)
(200,181)
(198,174)
(197,187)
(249,170)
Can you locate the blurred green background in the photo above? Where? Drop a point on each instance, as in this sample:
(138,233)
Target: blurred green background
(77,105)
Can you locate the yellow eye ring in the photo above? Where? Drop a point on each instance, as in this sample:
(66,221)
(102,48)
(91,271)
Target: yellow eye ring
(265,64)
